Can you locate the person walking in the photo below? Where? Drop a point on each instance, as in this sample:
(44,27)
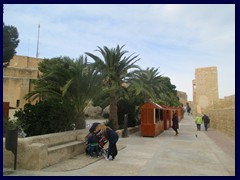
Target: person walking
(175,125)
(206,121)
(188,109)
(198,122)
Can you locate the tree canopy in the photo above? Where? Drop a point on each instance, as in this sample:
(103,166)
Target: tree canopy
(64,78)
(113,79)
(10,43)
(114,68)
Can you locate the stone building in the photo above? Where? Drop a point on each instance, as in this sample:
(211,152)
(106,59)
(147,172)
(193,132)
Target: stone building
(206,100)
(17,81)
(205,88)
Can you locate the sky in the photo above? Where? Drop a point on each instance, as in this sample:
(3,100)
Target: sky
(176,38)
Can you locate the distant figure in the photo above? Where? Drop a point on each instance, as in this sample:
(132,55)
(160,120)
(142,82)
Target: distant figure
(188,109)
(206,121)
(198,122)
(175,125)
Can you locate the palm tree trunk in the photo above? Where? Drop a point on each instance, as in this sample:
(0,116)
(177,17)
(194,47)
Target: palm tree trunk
(80,122)
(113,117)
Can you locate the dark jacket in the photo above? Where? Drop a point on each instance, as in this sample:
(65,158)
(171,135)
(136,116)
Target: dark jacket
(205,119)
(111,135)
(175,122)
(92,139)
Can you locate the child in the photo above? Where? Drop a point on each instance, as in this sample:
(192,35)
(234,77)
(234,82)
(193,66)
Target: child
(93,145)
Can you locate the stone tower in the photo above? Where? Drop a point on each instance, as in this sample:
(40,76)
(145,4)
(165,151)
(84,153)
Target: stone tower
(18,81)
(205,88)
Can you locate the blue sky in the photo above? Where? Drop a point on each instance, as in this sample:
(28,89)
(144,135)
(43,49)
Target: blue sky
(176,38)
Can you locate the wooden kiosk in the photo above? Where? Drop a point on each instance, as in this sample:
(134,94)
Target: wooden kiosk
(168,115)
(152,119)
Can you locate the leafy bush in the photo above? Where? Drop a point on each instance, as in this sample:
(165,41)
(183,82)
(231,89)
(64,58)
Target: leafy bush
(48,116)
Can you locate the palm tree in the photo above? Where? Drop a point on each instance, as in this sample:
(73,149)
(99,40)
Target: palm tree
(114,69)
(169,96)
(76,81)
(148,83)
(81,87)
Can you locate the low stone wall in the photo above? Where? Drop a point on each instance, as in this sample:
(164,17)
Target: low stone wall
(223,120)
(131,130)
(37,152)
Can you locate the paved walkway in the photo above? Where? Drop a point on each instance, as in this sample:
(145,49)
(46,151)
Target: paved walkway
(191,153)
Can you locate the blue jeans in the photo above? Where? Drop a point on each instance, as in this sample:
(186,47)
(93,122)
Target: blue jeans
(92,149)
(206,126)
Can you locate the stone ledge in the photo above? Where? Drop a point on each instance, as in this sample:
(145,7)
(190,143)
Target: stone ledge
(131,130)
(62,146)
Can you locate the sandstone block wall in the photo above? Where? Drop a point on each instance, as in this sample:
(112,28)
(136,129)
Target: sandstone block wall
(25,62)
(223,120)
(205,88)
(17,80)
(37,152)
(33,152)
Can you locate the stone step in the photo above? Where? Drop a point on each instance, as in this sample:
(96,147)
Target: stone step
(65,151)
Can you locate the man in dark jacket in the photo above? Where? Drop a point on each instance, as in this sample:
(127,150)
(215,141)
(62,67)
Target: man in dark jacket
(206,121)
(112,137)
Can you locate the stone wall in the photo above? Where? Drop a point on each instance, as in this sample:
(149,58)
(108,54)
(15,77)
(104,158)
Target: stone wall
(18,80)
(206,100)
(37,152)
(24,62)
(223,120)
(205,88)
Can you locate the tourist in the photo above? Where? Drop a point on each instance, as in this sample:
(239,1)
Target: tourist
(206,121)
(198,122)
(175,125)
(188,109)
(112,137)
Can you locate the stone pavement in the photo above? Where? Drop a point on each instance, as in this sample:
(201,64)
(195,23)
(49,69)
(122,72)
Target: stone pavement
(191,153)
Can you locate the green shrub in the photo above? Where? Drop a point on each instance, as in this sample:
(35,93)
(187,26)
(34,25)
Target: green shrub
(48,116)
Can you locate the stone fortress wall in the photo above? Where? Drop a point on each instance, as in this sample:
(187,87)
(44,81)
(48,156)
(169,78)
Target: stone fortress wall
(206,100)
